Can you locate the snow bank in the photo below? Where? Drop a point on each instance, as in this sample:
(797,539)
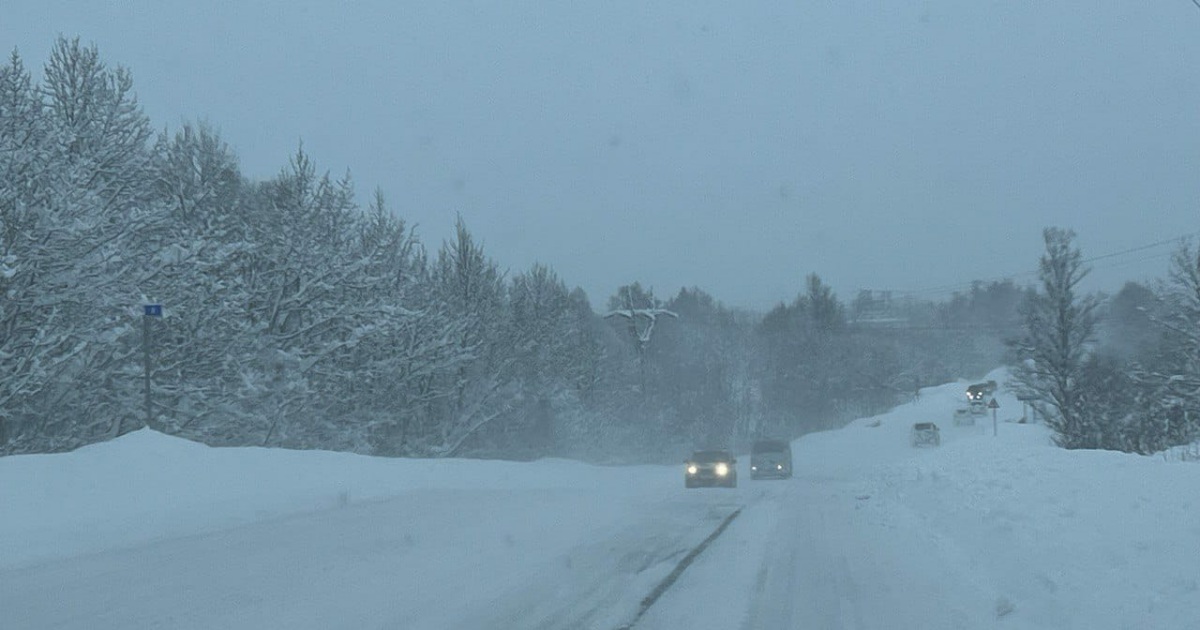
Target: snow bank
(1060,539)
(151,531)
(146,486)
(1004,531)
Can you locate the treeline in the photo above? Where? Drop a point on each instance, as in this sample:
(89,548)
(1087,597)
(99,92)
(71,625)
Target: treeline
(293,317)
(1120,373)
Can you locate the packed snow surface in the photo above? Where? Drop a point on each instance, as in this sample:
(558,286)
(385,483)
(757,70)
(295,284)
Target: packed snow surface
(986,531)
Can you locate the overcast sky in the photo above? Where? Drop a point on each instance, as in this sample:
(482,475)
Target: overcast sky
(735,146)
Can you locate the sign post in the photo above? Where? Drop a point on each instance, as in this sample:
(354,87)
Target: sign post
(148,311)
(1028,410)
(993,405)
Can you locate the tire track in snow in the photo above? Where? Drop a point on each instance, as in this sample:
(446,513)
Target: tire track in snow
(684,563)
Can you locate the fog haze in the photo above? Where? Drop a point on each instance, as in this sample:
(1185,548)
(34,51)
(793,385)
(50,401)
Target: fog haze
(732,146)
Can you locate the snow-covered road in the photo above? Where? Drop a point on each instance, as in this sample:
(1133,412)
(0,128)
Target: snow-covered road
(321,540)
(984,532)
(808,556)
(454,558)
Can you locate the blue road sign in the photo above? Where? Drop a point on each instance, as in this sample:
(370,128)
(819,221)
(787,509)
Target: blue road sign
(153,310)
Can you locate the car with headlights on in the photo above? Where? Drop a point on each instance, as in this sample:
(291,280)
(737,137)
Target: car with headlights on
(710,468)
(771,459)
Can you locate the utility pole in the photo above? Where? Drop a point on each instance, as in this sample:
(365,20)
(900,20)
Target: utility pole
(149,311)
(641,336)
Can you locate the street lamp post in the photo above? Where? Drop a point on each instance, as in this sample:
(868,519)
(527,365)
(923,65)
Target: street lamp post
(149,311)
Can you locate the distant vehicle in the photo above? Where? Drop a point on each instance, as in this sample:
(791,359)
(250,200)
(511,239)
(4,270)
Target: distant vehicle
(964,416)
(771,459)
(977,396)
(980,391)
(711,468)
(926,434)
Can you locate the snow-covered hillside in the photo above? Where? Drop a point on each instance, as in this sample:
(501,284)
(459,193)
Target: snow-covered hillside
(1006,531)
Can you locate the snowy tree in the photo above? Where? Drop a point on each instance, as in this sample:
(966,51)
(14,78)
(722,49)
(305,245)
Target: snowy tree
(81,202)
(586,346)
(1128,326)
(1109,397)
(103,209)
(27,350)
(542,333)
(199,188)
(1058,327)
(408,347)
(823,312)
(816,373)
(294,318)
(1186,277)
(1184,299)
(697,369)
(1168,381)
(470,288)
(304,279)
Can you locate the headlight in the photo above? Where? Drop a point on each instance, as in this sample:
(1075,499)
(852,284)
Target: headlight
(722,469)
(778,466)
(754,468)
(692,469)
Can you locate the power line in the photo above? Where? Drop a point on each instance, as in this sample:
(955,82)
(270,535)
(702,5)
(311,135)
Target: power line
(951,288)
(1129,263)
(1140,248)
